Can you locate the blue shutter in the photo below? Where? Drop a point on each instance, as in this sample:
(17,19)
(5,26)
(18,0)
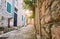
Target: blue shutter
(8,7)
(22,17)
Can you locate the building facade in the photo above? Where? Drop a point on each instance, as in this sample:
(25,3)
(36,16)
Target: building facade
(11,13)
(21,16)
(10,9)
(17,12)
(4,15)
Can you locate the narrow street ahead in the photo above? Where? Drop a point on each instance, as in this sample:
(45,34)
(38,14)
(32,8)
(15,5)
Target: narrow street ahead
(23,33)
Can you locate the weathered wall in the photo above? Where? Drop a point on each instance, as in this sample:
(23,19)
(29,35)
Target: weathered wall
(49,13)
(20,13)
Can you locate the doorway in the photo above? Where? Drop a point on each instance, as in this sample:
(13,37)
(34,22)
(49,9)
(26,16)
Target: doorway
(15,19)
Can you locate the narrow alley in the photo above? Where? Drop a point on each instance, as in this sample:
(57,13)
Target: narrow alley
(29,19)
(23,33)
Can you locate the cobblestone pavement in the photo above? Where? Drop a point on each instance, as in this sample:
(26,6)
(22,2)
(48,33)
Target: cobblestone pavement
(23,33)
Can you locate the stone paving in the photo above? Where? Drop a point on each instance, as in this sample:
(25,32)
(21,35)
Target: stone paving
(23,33)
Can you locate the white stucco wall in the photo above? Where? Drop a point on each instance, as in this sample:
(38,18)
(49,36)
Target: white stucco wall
(12,2)
(4,13)
(3,22)
(20,13)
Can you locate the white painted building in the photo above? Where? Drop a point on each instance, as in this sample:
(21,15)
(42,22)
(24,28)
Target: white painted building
(7,10)
(10,9)
(17,12)
(3,14)
(20,13)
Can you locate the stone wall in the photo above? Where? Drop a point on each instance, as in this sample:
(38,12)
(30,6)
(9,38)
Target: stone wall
(49,13)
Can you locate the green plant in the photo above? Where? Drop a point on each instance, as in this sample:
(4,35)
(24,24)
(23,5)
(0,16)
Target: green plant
(31,16)
(28,4)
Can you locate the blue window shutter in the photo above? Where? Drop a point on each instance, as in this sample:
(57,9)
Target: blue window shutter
(8,7)
(22,17)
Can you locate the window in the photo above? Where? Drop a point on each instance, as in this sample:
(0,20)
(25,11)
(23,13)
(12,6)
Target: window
(8,7)
(22,18)
(16,9)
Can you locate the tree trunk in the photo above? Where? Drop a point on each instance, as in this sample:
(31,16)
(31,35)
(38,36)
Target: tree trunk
(35,24)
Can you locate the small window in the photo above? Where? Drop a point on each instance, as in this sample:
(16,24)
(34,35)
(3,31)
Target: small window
(22,18)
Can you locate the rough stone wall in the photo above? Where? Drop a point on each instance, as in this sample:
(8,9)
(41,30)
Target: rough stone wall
(49,11)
